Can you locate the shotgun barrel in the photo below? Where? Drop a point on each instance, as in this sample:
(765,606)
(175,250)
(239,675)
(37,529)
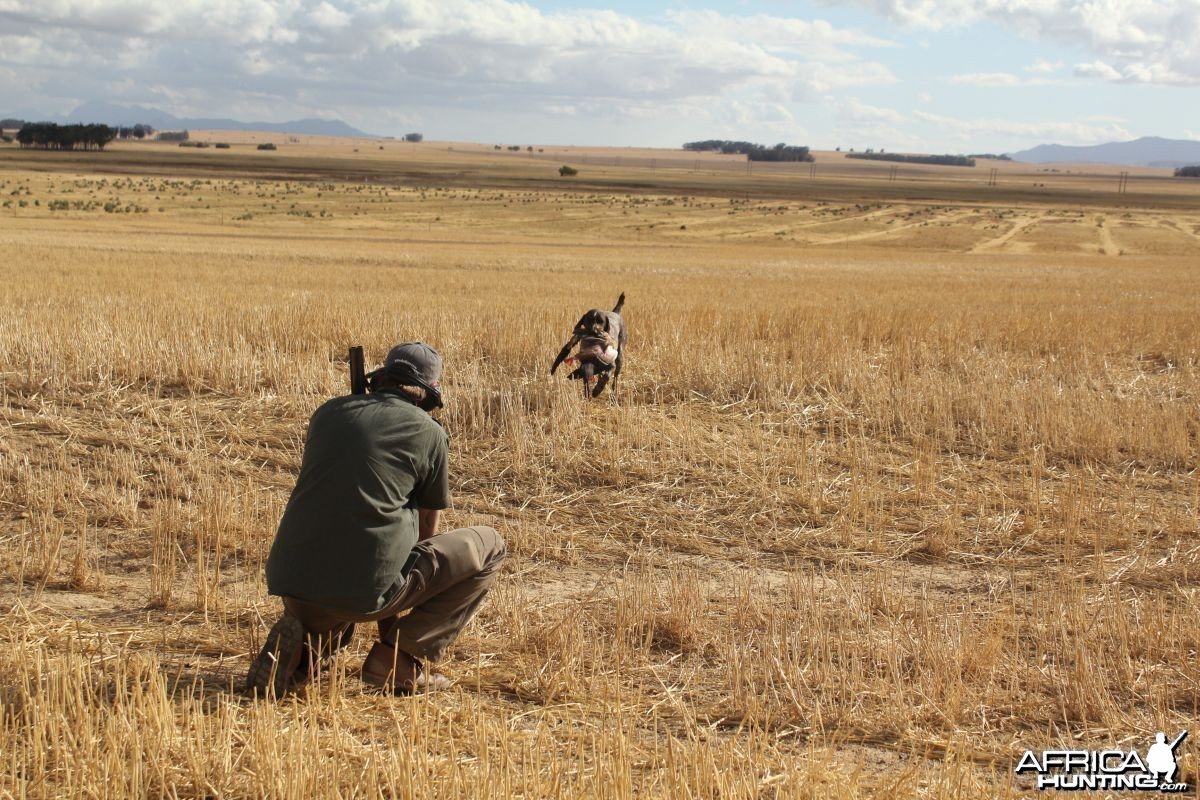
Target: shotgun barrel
(358,377)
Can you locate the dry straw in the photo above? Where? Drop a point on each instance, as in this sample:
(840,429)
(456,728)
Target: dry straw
(856,522)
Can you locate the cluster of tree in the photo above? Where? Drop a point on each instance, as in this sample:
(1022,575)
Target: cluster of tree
(8,123)
(172,136)
(414,137)
(993,156)
(269,146)
(1187,172)
(516,148)
(51,136)
(752,151)
(943,161)
(138,131)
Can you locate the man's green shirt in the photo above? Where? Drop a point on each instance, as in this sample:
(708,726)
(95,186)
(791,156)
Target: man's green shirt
(369,463)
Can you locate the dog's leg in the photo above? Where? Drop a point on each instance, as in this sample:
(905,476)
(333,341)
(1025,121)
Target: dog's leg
(601,382)
(587,371)
(620,302)
(617,367)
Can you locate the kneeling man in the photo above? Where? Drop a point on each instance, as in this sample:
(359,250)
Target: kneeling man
(357,540)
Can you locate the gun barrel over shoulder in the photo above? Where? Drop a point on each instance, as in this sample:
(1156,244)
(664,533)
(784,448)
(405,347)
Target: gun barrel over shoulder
(358,377)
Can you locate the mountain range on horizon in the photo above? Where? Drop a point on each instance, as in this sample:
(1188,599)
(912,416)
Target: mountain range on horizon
(1148,151)
(115,115)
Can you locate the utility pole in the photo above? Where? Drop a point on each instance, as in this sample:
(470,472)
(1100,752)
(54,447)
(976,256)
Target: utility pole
(1122,182)
(992,177)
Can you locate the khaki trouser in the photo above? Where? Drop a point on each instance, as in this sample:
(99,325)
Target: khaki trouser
(449,576)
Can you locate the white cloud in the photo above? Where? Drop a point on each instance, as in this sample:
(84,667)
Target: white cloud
(479,54)
(1081,132)
(851,109)
(1041,66)
(986,79)
(1146,41)
(1000,79)
(1097,69)
(861,135)
(329,16)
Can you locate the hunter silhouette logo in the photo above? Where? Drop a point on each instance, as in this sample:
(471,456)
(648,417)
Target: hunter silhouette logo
(1078,770)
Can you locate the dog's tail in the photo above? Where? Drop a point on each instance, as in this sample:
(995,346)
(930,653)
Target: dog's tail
(620,302)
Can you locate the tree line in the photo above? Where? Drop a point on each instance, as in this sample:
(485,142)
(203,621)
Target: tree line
(1187,172)
(52,136)
(944,161)
(752,151)
(138,131)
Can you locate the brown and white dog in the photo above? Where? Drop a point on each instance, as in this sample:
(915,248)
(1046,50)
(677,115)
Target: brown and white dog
(601,338)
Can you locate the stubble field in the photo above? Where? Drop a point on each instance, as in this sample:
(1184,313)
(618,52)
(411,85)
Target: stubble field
(893,487)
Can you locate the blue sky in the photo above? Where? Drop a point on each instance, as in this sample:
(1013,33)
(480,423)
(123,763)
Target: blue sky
(916,75)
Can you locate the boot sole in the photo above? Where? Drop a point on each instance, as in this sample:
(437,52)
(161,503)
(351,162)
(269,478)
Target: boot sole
(271,672)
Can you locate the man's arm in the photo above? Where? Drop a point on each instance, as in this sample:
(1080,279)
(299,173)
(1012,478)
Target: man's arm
(428,523)
(432,492)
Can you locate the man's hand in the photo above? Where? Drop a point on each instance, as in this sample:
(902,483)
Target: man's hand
(427,523)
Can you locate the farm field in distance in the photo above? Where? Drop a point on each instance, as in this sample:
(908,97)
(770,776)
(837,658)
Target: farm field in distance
(900,480)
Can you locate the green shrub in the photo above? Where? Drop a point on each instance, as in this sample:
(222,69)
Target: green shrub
(269,146)
(566,171)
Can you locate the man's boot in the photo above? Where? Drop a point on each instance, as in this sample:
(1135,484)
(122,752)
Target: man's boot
(272,673)
(394,670)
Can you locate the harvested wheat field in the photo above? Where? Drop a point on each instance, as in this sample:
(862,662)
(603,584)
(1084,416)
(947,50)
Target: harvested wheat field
(892,488)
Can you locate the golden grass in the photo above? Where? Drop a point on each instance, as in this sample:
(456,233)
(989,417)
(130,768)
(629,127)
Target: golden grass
(881,501)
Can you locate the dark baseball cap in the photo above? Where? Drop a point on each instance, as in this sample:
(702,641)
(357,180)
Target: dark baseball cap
(422,359)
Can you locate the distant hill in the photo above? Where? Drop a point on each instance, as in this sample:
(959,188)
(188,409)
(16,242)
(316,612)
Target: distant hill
(1149,151)
(110,114)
